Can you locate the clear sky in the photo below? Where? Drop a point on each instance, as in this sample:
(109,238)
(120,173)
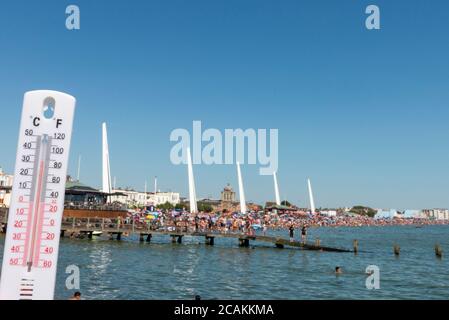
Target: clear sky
(363,113)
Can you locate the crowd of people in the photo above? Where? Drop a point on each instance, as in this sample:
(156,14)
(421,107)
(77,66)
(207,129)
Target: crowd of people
(260,222)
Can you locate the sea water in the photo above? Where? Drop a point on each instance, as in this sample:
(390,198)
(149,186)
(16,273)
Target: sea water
(127,269)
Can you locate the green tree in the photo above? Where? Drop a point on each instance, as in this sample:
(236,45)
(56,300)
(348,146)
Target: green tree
(165,206)
(363,211)
(205,207)
(181,206)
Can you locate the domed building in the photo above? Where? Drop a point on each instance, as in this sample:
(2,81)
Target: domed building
(228,195)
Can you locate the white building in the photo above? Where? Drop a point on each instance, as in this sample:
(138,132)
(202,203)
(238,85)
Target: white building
(5,188)
(413,213)
(438,214)
(129,197)
(329,213)
(386,214)
(140,199)
(157,198)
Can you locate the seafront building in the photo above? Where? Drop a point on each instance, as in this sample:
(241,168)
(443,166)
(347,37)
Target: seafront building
(6,181)
(86,200)
(228,202)
(157,198)
(415,214)
(438,214)
(134,198)
(386,214)
(129,197)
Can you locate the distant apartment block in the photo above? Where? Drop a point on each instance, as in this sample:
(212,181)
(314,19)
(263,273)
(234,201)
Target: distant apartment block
(437,214)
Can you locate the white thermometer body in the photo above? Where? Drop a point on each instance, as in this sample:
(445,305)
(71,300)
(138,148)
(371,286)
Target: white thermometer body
(37,199)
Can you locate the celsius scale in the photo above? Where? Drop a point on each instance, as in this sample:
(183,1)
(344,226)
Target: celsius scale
(37,203)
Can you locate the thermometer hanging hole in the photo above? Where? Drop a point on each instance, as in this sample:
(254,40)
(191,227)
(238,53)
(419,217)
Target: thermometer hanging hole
(49,108)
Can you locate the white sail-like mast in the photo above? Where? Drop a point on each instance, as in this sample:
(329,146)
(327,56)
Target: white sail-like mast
(192,191)
(241,190)
(106,166)
(276,189)
(79,169)
(312,202)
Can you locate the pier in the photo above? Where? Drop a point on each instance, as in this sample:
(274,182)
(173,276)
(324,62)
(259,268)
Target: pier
(80,227)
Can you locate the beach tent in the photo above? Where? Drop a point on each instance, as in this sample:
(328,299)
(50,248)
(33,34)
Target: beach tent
(386,214)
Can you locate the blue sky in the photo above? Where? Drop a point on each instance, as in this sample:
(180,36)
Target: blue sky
(363,113)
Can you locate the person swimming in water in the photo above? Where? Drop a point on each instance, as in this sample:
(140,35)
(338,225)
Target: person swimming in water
(338,270)
(76,296)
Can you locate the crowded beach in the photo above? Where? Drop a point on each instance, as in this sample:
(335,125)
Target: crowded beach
(227,222)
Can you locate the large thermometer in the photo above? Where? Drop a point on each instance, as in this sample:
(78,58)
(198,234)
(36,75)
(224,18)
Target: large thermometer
(37,204)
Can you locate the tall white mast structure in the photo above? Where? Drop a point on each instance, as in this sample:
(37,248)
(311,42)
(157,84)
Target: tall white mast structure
(312,202)
(155,184)
(192,191)
(79,168)
(106,166)
(241,191)
(276,189)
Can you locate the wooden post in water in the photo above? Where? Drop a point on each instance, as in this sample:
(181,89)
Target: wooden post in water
(73,223)
(243,242)
(355,245)
(149,236)
(317,242)
(438,251)
(396,250)
(141,237)
(210,240)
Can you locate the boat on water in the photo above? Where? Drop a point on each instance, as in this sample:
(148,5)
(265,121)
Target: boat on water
(97,233)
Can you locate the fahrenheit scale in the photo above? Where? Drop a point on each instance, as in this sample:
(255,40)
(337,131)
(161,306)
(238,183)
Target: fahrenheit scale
(37,203)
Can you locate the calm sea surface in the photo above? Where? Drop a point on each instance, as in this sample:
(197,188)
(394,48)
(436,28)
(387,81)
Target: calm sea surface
(161,270)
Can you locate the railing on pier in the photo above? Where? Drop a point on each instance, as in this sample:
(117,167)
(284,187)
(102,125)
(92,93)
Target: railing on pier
(124,225)
(115,206)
